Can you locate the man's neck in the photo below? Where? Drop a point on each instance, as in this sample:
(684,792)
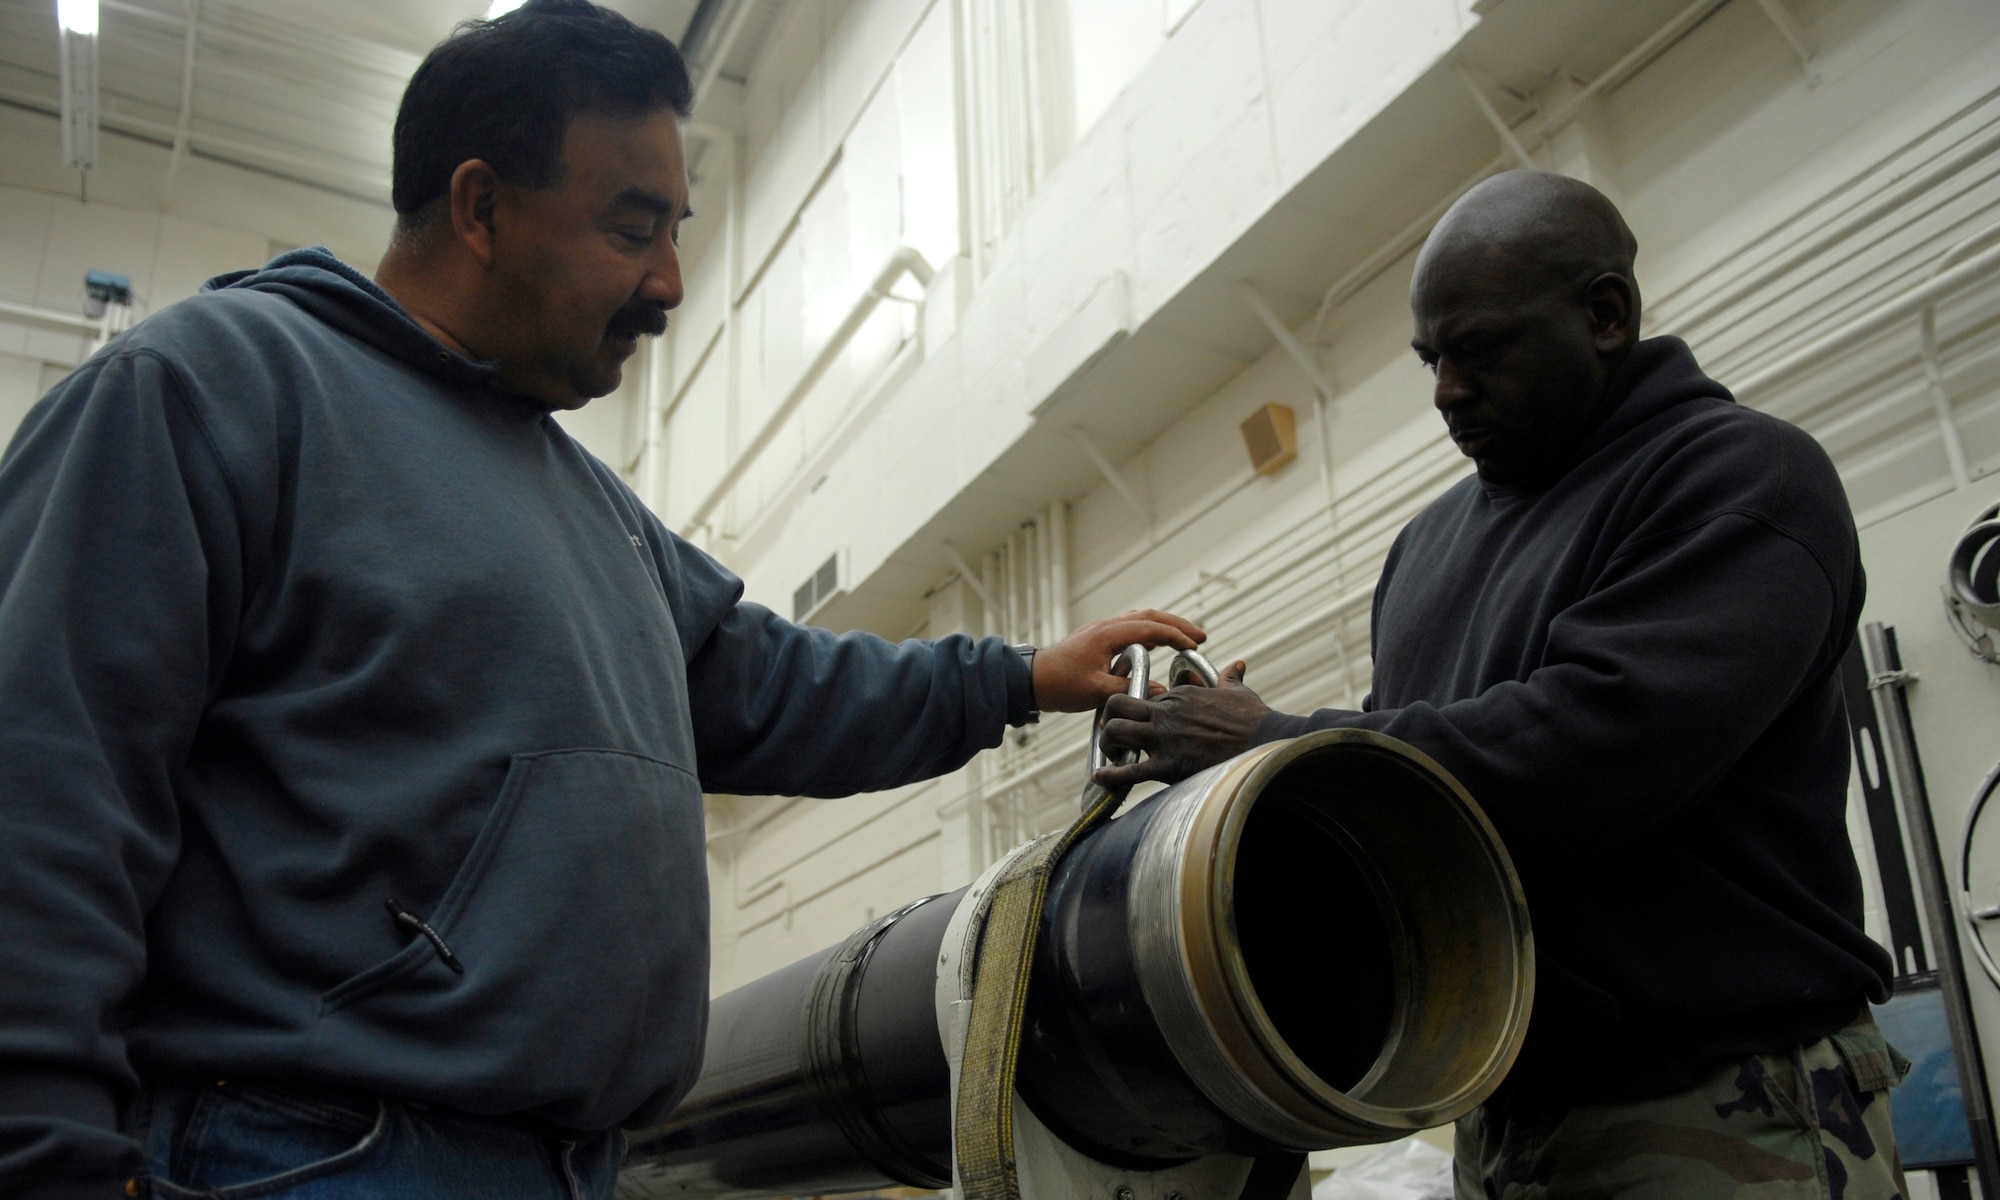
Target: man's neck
(413,279)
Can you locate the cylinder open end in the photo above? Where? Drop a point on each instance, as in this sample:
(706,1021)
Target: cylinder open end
(1370,938)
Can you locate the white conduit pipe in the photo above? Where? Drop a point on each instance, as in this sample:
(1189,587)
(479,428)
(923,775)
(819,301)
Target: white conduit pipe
(1954,446)
(1870,323)
(1059,566)
(52,318)
(905,260)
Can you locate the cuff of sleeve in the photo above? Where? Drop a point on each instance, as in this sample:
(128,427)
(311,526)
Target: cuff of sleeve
(1020,685)
(1277,726)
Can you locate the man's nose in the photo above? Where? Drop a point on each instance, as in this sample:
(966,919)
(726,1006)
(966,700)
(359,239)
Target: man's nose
(662,284)
(1452,388)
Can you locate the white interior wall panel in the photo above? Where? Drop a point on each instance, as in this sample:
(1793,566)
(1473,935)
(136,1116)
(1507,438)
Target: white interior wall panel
(1099,47)
(697,446)
(48,242)
(927,140)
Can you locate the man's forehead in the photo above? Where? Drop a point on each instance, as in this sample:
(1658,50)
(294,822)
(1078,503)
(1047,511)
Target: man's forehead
(637,163)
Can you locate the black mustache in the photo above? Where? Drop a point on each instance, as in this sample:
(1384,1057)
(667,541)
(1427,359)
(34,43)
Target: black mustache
(648,319)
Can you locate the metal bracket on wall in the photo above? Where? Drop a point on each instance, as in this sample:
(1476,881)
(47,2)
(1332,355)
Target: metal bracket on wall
(971,578)
(1507,136)
(1794,35)
(1110,473)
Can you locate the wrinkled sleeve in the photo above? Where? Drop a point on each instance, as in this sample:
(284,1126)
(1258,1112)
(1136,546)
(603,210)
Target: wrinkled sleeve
(1651,688)
(117,587)
(789,709)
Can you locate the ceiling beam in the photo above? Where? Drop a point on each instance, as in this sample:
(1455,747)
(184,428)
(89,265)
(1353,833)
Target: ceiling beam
(372,190)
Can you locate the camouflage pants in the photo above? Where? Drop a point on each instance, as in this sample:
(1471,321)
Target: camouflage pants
(1809,1123)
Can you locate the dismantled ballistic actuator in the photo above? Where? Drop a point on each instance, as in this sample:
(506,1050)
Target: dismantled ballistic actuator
(1319,943)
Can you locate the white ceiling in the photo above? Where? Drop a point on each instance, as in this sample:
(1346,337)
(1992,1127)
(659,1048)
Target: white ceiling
(304,89)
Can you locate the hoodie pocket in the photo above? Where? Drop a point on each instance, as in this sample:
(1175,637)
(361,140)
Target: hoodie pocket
(579,924)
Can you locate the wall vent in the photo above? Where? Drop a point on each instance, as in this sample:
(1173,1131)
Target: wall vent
(821,588)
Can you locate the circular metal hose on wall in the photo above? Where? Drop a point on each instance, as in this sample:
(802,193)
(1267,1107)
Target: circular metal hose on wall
(1319,943)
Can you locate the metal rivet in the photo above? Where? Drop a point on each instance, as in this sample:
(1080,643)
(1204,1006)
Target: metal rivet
(1124,1193)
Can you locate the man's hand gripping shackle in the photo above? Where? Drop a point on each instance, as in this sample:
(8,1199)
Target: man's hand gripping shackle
(1136,663)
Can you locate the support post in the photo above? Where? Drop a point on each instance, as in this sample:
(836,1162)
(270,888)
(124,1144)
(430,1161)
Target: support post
(1887,681)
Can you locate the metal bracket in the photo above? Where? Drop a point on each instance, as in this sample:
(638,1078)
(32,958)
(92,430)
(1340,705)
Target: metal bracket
(1493,118)
(1110,473)
(971,578)
(1899,678)
(1794,35)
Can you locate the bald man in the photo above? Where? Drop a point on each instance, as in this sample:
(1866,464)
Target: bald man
(1623,635)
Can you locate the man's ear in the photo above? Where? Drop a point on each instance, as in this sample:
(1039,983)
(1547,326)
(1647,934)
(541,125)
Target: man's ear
(474,188)
(1613,301)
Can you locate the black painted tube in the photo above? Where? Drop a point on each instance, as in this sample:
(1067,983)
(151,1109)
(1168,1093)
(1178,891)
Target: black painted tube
(1321,943)
(826,1075)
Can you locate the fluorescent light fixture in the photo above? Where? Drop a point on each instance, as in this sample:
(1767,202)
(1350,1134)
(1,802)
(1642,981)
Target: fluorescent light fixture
(502,7)
(77,16)
(79,81)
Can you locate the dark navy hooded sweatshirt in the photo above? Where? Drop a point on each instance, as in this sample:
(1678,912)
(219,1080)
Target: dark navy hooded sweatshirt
(299,614)
(1635,671)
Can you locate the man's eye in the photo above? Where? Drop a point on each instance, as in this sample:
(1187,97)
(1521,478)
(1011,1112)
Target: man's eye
(636,240)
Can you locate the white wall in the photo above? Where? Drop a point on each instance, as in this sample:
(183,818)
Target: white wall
(168,237)
(47,242)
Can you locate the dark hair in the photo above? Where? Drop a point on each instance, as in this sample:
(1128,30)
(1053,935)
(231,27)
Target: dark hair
(505,90)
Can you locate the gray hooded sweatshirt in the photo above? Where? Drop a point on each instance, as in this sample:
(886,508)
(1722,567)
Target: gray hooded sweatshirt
(300,615)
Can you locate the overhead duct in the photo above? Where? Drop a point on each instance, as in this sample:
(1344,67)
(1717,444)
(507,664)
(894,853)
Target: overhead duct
(1319,943)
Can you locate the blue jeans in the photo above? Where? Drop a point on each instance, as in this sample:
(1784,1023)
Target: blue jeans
(233,1138)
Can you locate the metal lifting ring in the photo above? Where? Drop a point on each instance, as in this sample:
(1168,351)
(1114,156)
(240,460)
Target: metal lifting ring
(1976,918)
(1972,585)
(1135,662)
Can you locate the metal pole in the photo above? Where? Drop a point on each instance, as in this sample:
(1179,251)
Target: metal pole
(1887,682)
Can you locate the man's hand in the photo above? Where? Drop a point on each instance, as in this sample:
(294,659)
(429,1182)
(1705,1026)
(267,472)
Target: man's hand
(1188,729)
(1072,675)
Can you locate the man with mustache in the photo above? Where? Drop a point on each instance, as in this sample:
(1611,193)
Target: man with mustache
(1623,635)
(354,721)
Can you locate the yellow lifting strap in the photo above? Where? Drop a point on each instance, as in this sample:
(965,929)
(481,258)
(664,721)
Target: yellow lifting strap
(1007,930)
(983,1134)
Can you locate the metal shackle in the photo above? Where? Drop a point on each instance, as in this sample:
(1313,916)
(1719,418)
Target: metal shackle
(1136,663)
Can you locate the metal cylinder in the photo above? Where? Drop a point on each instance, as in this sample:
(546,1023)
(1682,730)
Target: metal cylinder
(1321,942)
